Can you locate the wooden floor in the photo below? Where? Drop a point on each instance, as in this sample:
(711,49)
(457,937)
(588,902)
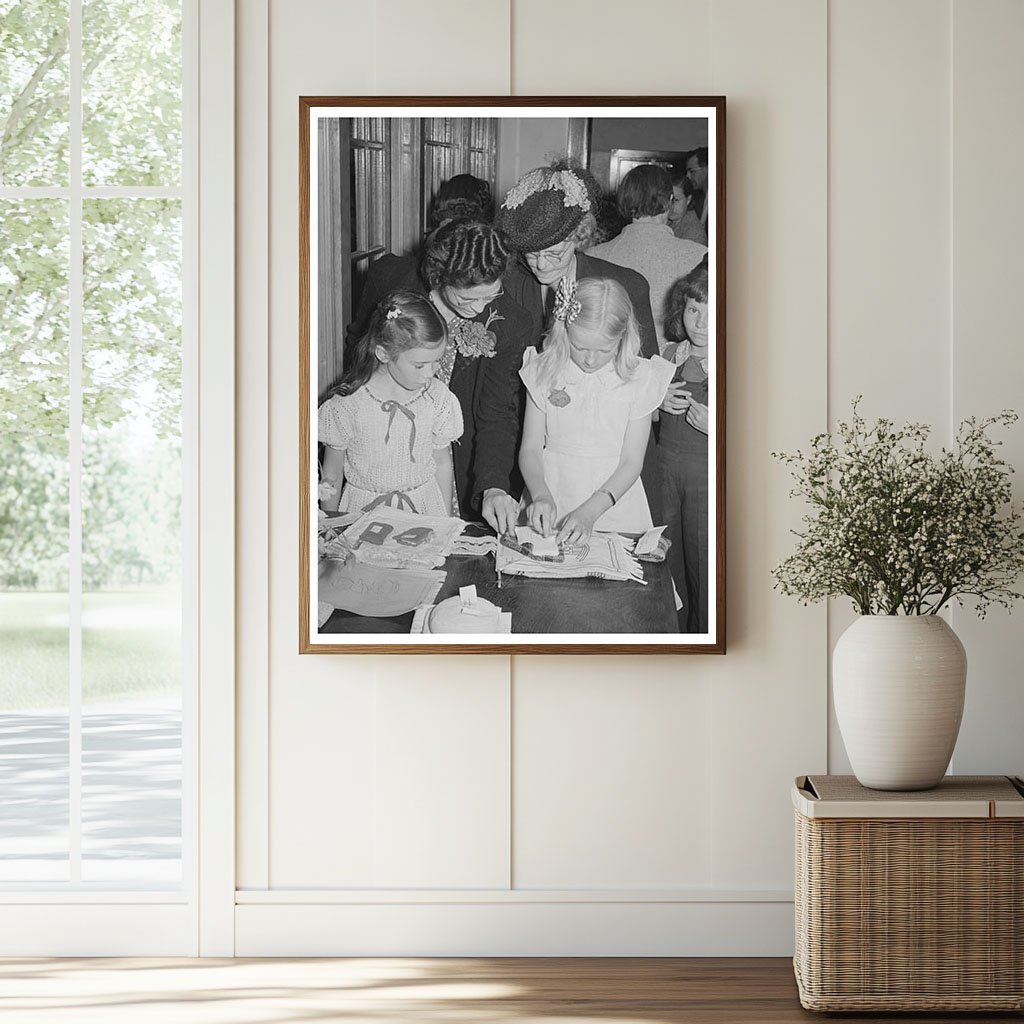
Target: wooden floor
(382,991)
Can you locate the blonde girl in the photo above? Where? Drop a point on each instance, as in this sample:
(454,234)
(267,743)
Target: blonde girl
(389,425)
(588,416)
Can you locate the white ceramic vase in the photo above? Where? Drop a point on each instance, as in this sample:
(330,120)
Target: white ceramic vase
(898,684)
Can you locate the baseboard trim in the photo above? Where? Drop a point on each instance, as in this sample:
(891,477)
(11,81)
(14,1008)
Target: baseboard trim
(520,928)
(347,897)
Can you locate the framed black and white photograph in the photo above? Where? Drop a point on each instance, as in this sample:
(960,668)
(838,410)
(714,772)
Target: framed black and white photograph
(512,375)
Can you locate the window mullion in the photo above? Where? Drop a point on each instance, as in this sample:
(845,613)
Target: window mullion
(75,302)
(95,192)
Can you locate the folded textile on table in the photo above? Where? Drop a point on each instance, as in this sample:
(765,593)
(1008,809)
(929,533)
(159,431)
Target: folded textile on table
(465,545)
(604,556)
(373,590)
(398,539)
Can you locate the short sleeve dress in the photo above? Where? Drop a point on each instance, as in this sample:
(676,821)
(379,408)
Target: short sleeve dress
(585,421)
(389,446)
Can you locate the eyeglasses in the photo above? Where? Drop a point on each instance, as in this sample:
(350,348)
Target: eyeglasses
(554,254)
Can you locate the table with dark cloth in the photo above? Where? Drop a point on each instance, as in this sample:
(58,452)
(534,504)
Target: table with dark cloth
(545,605)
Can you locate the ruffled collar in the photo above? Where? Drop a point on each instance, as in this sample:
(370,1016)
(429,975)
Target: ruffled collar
(607,376)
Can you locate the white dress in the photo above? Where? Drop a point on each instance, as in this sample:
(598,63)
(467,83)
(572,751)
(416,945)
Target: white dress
(389,446)
(585,421)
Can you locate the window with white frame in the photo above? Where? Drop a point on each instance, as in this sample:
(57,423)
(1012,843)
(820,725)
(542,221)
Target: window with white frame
(96,477)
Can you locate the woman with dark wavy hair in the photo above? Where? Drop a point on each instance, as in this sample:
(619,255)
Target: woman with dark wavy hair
(460,270)
(461,196)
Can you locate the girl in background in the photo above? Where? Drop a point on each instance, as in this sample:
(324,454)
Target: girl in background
(682,218)
(389,425)
(683,446)
(588,417)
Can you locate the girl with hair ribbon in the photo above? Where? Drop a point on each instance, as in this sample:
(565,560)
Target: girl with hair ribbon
(588,418)
(389,424)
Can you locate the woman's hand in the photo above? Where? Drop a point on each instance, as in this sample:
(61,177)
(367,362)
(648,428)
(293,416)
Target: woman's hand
(500,510)
(542,514)
(578,525)
(677,399)
(697,417)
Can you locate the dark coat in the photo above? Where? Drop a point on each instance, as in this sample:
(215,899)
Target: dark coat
(522,286)
(489,390)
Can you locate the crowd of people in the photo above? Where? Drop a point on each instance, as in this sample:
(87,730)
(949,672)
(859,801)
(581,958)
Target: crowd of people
(523,370)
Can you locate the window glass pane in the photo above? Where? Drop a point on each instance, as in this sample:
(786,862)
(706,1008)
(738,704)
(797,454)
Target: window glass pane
(33,92)
(131,92)
(34,490)
(480,165)
(371,198)
(442,129)
(131,541)
(404,186)
(439,164)
(369,129)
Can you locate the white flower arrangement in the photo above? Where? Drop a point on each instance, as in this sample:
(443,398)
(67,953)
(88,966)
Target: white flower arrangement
(573,190)
(897,529)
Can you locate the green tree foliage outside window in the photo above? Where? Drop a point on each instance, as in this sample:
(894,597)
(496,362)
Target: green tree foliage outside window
(131,302)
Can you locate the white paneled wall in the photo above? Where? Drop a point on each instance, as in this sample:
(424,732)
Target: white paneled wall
(620,805)
(583,48)
(612,775)
(768,693)
(890,208)
(986,369)
(889,219)
(407,62)
(442,776)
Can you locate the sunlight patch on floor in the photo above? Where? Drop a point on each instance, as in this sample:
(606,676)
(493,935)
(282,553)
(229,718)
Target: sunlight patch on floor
(219,991)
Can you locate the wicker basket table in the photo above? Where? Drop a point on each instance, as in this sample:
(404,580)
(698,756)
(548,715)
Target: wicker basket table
(910,901)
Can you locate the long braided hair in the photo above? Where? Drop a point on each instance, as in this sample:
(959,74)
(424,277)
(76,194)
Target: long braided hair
(464,253)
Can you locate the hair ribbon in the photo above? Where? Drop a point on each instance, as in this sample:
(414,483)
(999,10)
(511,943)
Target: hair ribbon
(567,306)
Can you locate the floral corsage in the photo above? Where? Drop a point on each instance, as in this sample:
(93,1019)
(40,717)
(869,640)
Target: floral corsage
(473,339)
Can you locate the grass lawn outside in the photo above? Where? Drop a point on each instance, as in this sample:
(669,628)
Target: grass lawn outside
(131,647)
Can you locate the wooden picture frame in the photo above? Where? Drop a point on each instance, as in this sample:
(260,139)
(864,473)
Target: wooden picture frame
(368,170)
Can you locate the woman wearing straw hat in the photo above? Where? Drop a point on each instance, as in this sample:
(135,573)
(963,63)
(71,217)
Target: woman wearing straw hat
(548,218)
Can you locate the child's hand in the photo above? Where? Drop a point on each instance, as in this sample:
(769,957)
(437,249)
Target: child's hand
(542,514)
(677,399)
(697,417)
(578,525)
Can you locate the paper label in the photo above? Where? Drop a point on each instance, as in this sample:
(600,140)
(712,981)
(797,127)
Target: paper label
(649,541)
